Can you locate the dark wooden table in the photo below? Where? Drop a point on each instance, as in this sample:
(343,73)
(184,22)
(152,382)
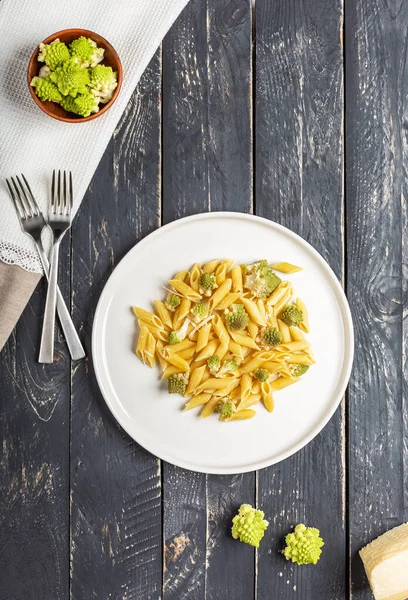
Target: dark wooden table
(297,111)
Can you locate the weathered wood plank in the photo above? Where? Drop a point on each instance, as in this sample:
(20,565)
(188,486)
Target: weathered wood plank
(185,191)
(376,192)
(298,182)
(230,566)
(34,464)
(116,486)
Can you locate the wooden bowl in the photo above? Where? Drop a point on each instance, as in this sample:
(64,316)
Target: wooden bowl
(111,59)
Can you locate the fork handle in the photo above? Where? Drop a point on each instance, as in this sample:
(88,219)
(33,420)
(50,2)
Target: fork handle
(73,342)
(47,336)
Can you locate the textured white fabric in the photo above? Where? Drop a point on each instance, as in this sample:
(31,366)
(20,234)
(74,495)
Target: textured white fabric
(33,143)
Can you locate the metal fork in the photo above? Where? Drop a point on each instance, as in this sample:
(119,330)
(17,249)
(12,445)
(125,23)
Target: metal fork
(59,220)
(32,223)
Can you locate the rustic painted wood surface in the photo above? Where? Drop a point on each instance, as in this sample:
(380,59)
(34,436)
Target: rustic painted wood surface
(242,108)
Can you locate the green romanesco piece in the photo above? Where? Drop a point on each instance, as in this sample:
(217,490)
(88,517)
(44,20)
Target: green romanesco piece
(83,104)
(54,54)
(214,363)
(261,375)
(236,317)
(303,546)
(71,79)
(178,336)
(229,366)
(225,407)
(261,279)
(172,302)
(177,384)
(45,89)
(298,370)
(207,284)
(103,79)
(200,311)
(270,336)
(249,525)
(85,52)
(292,316)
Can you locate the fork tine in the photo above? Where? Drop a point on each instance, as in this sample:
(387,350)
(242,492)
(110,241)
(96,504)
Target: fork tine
(18,206)
(52,198)
(34,206)
(22,198)
(59,193)
(64,210)
(71,194)
(30,211)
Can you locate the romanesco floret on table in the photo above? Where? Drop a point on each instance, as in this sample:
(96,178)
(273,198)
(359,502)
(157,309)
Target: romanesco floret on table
(45,89)
(200,311)
(178,336)
(71,79)
(270,336)
(297,370)
(236,317)
(249,525)
(225,407)
(85,52)
(207,284)
(172,302)
(303,546)
(292,316)
(83,104)
(260,279)
(177,384)
(229,366)
(54,54)
(261,375)
(214,363)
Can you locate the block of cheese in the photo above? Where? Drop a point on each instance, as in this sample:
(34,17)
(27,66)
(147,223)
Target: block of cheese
(386,564)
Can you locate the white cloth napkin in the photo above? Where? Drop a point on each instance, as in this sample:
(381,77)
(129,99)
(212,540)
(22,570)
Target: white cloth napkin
(35,144)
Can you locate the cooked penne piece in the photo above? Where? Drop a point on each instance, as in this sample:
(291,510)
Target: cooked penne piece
(283,302)
(198,400)
(195,379)
(296,335)
(295,346)
(285,267)
(284,329)
(222,270)
(261,307)
(159,334)
(256,387)
(229,299)
(301,359)
(246,385)
(171,370)
(253,362)
(283,382)
(267,396)
(277,293)
(209,407)
(216,383)
(251,400)
(220,330)
(220,293)
(208,351)
(304,326)
(159,354)
(181,275)
(241,415)
(150,351)
(253,311)
(175,348)
(244,340)
(236,349)
(141,342)
(187,353)
(236,276)
(177,361)
(221,350)
(163,313)
(185,290)
(273,366)
(148,317)
(227,391)
(202,337)
(194,276)
(181,313)
(211,266)
(252,329)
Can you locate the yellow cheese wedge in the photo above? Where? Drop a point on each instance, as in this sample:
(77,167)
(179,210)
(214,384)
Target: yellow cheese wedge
(386,564)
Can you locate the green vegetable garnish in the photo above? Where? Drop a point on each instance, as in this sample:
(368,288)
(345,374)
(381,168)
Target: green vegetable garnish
(303,546)
(248,525)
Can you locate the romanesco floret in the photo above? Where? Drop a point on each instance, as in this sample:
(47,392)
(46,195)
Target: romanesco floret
(236,317)
(229,366)
(298,370)
(172,302)
(54,54)
(83,104)
(200,311)
(178,336)
(249,525)
(85,52)
(261,279)
(214,363)
(303,546)
(43,72)
(292,316)
(207,284)
(225,407)
(261,375)
(71,79)
(177,384)
(45,89)
(270,336)
(103,79)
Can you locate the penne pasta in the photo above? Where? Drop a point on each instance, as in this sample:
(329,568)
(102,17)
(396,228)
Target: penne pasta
(283,302)
(208,351)
(229,299)
(282,382)
(221,350)
(284,329)
(267,396)
(150,351)
(148,317)
(285,267)
(295,346)
(181,275)
(177,361)
(141,342)
(240,415)
(304,325)
(202,337)
(181,313)
(246,385)
(195,379)
(244,340)
(175,348)
(198,400)
(250,401)
(278,292)
(220,330)
(222,270)
(159,334)
(171,370)
(236,276)
(236,349)
(255,361)
(253,329)
(194,276)
(164,313)
(211,266)
(209,407)
(159,355)
(253,311)
(215,383)
(296,335)
(220,293)
(185,290)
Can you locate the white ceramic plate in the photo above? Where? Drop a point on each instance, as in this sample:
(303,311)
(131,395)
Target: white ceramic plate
(139,400)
